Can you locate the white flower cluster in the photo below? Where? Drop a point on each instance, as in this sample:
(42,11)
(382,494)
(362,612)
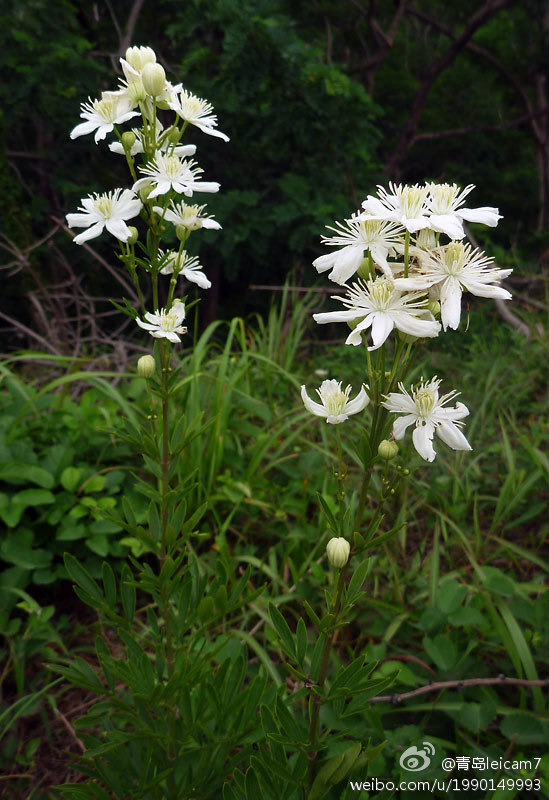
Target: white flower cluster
(398,233)
(167,171)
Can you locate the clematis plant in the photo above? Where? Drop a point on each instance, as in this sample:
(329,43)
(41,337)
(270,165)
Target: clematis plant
(405,266)
(156,661)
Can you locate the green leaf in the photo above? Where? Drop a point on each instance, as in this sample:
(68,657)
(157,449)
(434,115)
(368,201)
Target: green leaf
(527,727)
(357,579)
(127,593)
(70,478)
(330,518)
(283,630)
(82,577)
(442,651)
(302,641)
(17,549)
(109,584)
(450,595)
(18,472)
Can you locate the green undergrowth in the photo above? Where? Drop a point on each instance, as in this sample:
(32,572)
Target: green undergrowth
(459,593)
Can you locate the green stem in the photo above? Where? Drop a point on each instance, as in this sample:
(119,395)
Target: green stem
(340,477)
(316,700)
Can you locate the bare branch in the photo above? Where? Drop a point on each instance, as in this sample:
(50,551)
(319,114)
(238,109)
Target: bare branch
(432,72)
(126,39)
(438,686)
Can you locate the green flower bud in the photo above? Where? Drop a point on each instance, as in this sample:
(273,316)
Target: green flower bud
(407,338)
(144,193)
(387,449)
(146,366)
(134,235)
(352,323)
(337,551)
(182,232)
(366,271)
(154,79)
(434,307)
(128,140)
(136,91)
(174,135)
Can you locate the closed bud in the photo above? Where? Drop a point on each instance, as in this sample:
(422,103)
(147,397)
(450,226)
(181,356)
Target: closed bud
(352,323)
(144,193)
(407,338)
(154,79)
(434,307)
(366,271)
(174,135)
(136,91)
(182,232)
(387,449)
(146,366)
(134,235)
(137,57)
(337,551)
(128,140)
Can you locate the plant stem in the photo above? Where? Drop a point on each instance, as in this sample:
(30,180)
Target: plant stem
(165,582)
(330,637)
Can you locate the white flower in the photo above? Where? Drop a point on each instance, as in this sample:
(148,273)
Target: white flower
(165,324)
(196,111)
(358,235)
(335,405)
(383,307)
(446,216)
(190,217)
(170,172)
(102,115)
(451,269)
(108,211)
(424,409)
(406,205)
(181,150)
(185,265)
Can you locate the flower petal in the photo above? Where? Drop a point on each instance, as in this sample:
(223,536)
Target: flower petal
(310,405)
(91,233)
(450,303)
(452,436)
(423,441)
(401,425)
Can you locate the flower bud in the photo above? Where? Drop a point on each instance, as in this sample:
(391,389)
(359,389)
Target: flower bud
(434,307)
(146,366)
(352,323)
(387,449)
(137,57)
(136,91)
(174,135)
(366,270)
(144,193)
(407,338)
(337,551)
(154,79)
(134,235)
(128,140)
(181,231)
